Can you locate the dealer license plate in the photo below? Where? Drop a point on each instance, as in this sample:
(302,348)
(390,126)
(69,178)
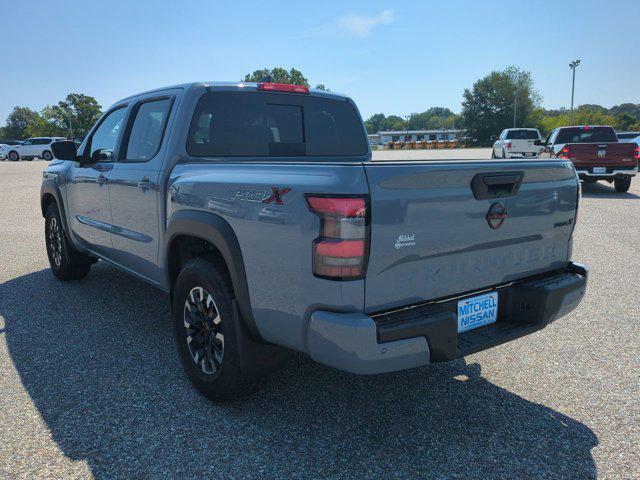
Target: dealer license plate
(477,311)
(599,169)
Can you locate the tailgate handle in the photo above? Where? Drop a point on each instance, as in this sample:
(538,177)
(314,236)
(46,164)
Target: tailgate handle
(496,185)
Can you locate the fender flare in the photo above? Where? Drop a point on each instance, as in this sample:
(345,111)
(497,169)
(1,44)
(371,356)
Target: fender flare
(50,187)
(215,230)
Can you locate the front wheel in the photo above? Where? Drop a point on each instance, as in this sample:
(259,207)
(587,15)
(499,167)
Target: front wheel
(65,261)
(622,184)
(206,333)
(47,155)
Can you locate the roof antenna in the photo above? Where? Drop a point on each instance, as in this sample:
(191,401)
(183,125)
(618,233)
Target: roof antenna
(266,79)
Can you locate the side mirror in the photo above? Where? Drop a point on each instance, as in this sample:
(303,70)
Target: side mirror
(538,142)
(65,150)
(101,155)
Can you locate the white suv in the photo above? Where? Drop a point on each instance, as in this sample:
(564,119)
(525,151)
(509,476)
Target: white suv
(517,143)
(39,147)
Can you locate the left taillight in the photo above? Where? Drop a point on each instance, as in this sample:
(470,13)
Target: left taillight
(340,252)
(565,153)
(636,153)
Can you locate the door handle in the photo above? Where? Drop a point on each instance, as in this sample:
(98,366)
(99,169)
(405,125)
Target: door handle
(496,185)
(145,184)
(102,179)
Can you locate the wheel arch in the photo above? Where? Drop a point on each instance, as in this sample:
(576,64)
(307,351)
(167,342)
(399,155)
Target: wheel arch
(190,225)
(49,194)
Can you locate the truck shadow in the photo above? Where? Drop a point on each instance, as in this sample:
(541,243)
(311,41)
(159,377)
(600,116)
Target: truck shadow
(604,190)
(98,360)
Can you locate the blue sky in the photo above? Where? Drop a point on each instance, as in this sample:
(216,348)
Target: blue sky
(392,57)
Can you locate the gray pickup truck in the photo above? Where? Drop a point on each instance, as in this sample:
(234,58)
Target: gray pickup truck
(257,208)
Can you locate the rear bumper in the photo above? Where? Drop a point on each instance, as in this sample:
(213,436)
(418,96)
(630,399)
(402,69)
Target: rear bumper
(611,172)
(522,154)
(417,335)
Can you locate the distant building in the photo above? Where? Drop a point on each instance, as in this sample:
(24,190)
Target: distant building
(416,135)
(374,138)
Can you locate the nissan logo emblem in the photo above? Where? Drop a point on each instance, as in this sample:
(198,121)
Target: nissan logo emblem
(496,215)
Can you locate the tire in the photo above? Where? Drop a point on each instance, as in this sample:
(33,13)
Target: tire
(47,155)
(622,184)
(206,334)
(65,261)
(590,180)
(13,156)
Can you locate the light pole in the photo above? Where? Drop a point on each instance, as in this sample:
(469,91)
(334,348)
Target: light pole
(573,66)
(515,105)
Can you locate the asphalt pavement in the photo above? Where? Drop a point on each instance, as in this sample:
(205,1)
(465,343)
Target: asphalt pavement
(91,385)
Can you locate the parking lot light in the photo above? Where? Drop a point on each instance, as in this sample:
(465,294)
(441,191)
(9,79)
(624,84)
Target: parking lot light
(573,66)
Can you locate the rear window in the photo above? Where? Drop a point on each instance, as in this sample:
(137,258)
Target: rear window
(587,135)
(522,135)
(260,124)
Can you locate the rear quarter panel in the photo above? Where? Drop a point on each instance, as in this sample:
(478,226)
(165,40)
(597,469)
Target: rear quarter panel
(275,240)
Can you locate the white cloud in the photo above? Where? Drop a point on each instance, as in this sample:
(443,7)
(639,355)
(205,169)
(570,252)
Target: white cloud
(361,26)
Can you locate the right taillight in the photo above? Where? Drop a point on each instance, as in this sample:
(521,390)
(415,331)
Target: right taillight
(340,251)
(636,153)
(565,153)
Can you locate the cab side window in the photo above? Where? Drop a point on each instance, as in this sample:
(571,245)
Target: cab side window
(147,130)
(105,139)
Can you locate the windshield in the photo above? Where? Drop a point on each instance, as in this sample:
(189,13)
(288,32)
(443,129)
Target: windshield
(625,136)
(260,124)
(522,135)
(587,135)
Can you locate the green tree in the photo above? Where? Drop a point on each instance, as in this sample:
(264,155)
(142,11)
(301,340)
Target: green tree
(75,115)
(18,121)
(624,121)
(42,127)
(632,109)
(394,122)
(488,107)
(279,75)
(321,86)
(375,123)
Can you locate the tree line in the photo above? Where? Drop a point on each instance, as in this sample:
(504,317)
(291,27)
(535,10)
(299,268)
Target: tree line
(487,109)
(71,118)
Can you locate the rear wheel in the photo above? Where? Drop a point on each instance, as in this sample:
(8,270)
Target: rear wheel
(47,155)
(206,334)
(622,184)
(65,261)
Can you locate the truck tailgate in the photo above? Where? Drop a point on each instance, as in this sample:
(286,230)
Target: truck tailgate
(584,155)
(431,238)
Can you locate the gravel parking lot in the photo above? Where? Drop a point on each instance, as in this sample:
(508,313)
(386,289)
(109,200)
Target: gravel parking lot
(91,386)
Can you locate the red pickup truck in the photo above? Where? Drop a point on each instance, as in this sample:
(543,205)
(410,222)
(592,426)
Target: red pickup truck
(595,152)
